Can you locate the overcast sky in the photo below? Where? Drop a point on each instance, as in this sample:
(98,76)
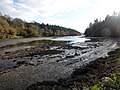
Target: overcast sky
(76,14)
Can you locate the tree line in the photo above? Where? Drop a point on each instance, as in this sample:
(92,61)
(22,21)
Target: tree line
(109,27)
(16,28)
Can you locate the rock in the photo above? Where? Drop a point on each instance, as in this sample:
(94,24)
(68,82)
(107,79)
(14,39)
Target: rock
(33,63)
(7,52)
(69,56)
(21,62)
(57,60)
(50,83)
(14,60)
(82,71)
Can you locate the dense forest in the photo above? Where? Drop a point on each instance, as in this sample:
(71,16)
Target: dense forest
(17,28)
(110,27)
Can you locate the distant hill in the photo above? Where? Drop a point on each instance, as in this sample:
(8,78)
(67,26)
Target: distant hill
(16,28)
(110,27)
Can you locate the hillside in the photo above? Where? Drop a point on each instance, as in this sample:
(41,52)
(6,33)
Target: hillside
(110,27)
(17,28)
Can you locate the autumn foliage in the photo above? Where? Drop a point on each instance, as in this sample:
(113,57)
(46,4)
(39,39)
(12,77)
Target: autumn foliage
(10,28)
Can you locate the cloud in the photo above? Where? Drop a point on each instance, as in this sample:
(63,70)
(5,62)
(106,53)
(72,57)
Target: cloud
(99,10)
(44,8)
(53,11)
(18,10)
(51,7)
(47,11)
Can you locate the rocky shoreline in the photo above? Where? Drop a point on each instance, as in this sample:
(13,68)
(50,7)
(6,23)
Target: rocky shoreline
(50,64)
(84,76)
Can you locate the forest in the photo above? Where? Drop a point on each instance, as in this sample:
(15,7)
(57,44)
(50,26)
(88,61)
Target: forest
(110,27)
(17,28)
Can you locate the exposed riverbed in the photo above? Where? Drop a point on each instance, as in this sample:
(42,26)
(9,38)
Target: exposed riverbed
(26,61)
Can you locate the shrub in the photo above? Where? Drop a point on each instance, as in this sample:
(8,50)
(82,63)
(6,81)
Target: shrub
(108,83)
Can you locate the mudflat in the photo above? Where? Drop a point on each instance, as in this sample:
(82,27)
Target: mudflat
(47,63)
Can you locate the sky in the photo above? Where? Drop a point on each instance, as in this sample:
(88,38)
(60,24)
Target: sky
(75,14)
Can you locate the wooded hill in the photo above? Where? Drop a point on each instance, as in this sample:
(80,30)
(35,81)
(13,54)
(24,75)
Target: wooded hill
(110,27)
(16,28)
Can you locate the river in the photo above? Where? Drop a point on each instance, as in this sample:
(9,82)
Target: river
(5,42)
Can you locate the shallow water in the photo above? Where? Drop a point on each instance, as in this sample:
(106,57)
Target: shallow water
(8,45)
(66,38)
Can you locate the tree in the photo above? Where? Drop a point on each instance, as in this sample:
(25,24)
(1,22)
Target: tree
(114,14)
(90,25)
(107,18)
(96,20)
(16,27)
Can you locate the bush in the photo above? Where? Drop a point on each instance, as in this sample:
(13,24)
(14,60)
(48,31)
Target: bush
(108,83)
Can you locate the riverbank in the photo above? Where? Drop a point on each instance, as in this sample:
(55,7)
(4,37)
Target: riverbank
(85,76)
(47,61)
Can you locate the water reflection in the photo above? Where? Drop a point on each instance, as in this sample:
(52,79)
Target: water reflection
(72,39)
(66,38)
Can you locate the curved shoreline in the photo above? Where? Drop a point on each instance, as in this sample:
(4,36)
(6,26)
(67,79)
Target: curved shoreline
(48,61)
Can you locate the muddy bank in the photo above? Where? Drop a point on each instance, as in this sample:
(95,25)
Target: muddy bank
(84,76)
